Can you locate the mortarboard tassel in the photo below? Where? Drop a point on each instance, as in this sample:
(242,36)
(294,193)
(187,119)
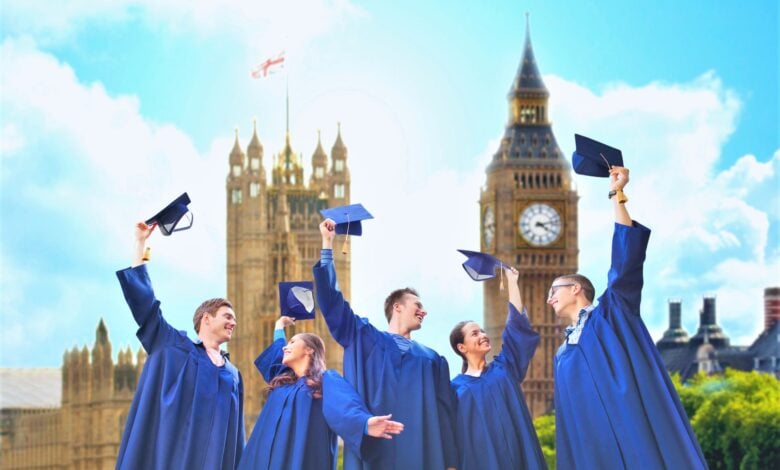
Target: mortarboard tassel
(501,278)
(346,239)
(147,254)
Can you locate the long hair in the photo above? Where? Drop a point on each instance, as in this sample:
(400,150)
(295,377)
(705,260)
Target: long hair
(313,373)
(457,337)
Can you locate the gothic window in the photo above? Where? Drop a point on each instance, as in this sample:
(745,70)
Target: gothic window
(254,189)
(254,164)
(235,196)
(236,171)
(319,172)
(338,191)
(339,165)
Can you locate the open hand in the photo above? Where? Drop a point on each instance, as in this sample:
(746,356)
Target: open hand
(381,426)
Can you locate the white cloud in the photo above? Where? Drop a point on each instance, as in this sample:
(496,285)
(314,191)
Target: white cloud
(710,227)
(267,26)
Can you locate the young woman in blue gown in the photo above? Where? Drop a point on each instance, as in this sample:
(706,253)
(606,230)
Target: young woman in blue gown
(494,427)
(306,407)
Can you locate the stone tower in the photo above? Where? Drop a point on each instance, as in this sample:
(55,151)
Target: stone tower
(528,219)
(273,236)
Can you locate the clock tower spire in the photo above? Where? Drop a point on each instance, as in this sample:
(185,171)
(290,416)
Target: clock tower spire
(529,219)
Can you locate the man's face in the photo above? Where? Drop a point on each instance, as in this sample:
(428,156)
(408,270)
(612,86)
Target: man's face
(475,340)
(561,297)
(410,311)
(222,324)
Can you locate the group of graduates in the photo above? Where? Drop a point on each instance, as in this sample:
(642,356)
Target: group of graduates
(396,407)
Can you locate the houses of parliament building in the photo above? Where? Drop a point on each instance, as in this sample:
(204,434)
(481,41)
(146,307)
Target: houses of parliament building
(74,417)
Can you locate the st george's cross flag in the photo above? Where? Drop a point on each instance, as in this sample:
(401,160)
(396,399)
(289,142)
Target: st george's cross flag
(269,66)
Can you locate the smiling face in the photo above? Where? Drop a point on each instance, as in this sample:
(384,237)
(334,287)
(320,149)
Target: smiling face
(475,340)
(562,297)
(410,313)
(221,325)
(297,355)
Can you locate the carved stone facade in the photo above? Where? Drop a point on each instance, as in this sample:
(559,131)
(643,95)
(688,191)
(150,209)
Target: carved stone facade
(273,236)
(85,429)
(528,218)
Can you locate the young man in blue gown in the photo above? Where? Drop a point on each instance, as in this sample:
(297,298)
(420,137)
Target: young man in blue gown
(615,406)
(391,373)
(187,412)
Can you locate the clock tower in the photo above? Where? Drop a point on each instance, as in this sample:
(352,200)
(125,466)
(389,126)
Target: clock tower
(529,219)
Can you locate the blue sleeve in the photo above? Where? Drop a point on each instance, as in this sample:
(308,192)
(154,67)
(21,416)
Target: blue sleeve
(520,343)
(279,335)
(153,331)
(269,362)
(447,403)
(326,256)
(341,320)
(625,280)
(347,416)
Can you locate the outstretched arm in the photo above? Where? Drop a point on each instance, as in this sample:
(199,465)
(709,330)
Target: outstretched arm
(142,233)
(346,413)
(520,340)
(269,362)
(618,179)
(629,245)
(153,330)
(342,322)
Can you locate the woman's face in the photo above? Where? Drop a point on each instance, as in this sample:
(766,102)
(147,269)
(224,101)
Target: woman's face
(475,341)
(296,352)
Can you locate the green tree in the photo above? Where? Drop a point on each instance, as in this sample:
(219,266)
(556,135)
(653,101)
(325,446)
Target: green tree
(545,430)
(736,417)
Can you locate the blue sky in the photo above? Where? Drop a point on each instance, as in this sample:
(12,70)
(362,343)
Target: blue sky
(110,109)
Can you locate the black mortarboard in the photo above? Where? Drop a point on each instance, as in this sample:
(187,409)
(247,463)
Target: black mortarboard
(347,218)
(297,299)
(481,266)
(592,158)
(169,218)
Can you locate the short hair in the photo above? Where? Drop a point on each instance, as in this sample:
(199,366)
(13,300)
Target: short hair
(584,282)
(394,297)
(209,306)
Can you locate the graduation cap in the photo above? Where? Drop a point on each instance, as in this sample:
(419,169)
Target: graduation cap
(297,299)
(169,219)
(592,158)
(482,266)
(347,220)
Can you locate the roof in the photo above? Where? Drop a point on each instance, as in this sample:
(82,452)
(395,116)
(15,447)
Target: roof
(30,388)
(768,343)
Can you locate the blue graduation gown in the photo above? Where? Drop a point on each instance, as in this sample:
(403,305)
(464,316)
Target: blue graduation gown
(615,406)
(494,426)
(292,431)
(414,386)
(187,413)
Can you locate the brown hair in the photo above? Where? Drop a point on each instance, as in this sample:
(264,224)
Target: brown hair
(584,282)
(457,337)
(313,373)
(209,306)
(394,297)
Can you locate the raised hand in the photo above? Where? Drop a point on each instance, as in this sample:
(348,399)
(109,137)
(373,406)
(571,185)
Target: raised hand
(328,231)
(284,321)
(381,426)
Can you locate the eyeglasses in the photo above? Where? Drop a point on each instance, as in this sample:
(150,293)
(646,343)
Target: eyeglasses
(554,289)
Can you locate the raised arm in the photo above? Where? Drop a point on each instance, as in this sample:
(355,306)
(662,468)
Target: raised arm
(269,362)
(153,330)
(520,340)
(348,416)
(341,320)
(629,245)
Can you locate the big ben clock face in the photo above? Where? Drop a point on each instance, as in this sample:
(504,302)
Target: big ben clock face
(488,227)
(540,224)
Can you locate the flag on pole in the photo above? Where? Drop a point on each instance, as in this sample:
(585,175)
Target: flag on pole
(268,66)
